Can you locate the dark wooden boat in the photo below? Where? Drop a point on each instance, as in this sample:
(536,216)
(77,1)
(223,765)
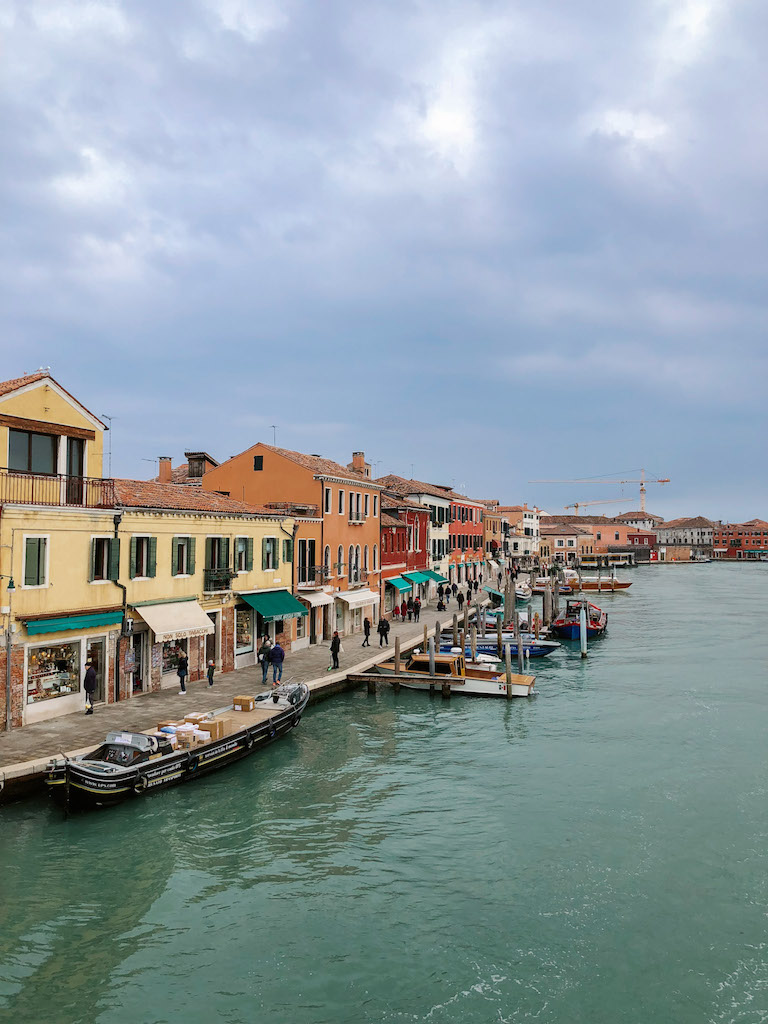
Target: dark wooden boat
(133,764)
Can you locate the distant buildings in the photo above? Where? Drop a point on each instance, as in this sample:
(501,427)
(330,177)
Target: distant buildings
(742,541)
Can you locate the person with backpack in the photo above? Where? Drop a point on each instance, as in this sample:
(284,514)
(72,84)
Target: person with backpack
(263,655)
(383,630)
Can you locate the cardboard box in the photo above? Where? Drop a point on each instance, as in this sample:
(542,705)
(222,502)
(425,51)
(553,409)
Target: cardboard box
(216,728)
(202,736)
(161,725)
(196,717)
(243,703)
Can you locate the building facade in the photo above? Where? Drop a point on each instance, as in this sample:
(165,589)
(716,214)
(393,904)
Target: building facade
(695,534)
(741,541)
(436,499)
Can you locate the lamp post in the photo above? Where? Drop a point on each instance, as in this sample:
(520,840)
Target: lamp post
(11,587)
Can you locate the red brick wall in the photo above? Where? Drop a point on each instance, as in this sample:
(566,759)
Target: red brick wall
(17,686)
(228,639)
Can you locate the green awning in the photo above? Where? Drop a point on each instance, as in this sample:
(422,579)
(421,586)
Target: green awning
(498,593)
(74,622)
(417,577)
(275,604)
(399,583)
(435,576)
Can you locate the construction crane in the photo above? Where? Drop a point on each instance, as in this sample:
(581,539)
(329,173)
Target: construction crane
(599,480)
(607,501)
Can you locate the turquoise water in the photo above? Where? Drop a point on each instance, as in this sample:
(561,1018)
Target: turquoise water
(595,854)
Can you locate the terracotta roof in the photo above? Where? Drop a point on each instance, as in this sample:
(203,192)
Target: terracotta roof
(388,520)
(7,386)
(406,487)
(638,515)
(388,500)
(179,474)
(517,508)
(180,498)
(696,523)
(564,529)
(584,520)
(317,464)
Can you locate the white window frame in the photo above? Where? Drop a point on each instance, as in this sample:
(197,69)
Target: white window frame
(341,501)
(101,536)
(327,499)
(36,536)
(375,505)
(142,536)
(367,505)
(186,538)
(375,558)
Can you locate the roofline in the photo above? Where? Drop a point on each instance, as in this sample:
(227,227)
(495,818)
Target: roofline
(49,380)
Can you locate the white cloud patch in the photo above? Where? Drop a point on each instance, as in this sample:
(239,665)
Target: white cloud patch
(100,181)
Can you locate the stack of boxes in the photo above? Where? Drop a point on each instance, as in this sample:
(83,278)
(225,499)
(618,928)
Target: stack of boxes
(200,726)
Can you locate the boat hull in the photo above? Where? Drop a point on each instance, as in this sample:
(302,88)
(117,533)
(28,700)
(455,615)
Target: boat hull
(571,631)
(489,646)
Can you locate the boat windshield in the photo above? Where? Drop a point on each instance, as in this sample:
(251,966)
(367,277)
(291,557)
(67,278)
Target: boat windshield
(120,753)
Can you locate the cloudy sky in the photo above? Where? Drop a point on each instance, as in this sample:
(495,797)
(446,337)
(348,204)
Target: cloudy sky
(492,241)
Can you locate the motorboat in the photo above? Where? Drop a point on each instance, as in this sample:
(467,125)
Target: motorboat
(426,672)
(567,625)
(532,647)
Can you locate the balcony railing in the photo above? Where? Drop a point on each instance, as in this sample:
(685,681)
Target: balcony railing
(356,517)
(218,579)
(312,575)
(20,488)
(357,576)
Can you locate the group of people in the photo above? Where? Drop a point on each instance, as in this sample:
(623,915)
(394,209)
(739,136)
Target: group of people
(271,654)
(411,608)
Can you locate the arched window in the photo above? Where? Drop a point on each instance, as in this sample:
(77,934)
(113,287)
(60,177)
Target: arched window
(357,561)
(375,557)
(340,561)
(327,560)
(351,567)
(365,558)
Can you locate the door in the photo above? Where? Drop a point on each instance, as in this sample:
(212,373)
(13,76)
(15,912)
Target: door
(339,616)
(94,653)
(211,653)
(75,470)
(137,660)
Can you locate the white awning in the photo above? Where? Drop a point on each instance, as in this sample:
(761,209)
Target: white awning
(357,598)
(316,598)
(176,620)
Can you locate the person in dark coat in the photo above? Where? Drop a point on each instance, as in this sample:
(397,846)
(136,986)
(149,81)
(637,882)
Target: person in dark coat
(367,631)
(264,650)
(276,659)
(469,593)
(335,648)
(460,600)
(383,630)
(209,673)
(182,671)
(89,685)
(454,588)
(475,586)
(416,609)
(410,608)
(440,590)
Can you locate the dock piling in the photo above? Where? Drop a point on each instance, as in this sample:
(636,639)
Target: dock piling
(455,630)
(473,642)
(508,670)
(499,643)
(583,628)
(397,655)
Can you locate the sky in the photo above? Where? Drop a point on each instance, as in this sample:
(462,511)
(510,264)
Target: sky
(485,242)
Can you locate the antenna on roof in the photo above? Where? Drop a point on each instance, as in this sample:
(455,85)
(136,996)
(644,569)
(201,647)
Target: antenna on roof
(109,454)
(274,434)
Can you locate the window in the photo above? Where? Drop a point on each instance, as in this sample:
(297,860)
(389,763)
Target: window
(599,535)
(560,543)
(339,560)
(327,500)
(306,561)
(327,560)
(105,558)
(258,462)
(243,554)
(183,556)
(365,558)
(351,565)
(53,671)
(341,502)
(269,553)
(375,505)
(32,453)
(616,535)
(217,552)
(35,561)
(367,505)
(288,551)
(375,557)
(243,629)
(571,543)
(143,557)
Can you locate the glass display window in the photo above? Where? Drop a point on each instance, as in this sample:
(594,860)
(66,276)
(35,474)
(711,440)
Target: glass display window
(173,652)
(53,671)
(243,629)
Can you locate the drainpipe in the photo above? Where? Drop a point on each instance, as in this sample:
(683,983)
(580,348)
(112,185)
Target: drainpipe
(117,520)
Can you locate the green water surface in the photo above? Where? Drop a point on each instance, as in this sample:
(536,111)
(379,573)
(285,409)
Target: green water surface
(595,854)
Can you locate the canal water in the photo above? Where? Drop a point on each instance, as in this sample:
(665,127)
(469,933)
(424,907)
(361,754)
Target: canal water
(598,853)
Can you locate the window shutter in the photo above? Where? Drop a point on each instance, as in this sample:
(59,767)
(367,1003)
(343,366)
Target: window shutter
(191,556)
(152,558)
(92,566)
(224,549)
(209,553)
(133,558)
(175,556)
(264,542)
(311,552)
(114,559)
(248,554)
(31,562)
(287,550)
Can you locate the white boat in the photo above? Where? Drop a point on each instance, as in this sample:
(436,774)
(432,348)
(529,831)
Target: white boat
(473,679)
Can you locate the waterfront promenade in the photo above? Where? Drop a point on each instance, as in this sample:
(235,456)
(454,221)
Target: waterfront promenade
(24,753)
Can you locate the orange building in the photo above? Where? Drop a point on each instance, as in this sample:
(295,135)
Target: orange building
(336,568)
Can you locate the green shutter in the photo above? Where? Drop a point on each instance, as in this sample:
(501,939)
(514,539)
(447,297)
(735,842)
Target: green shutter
(287,550)
(132,571)
(114,559)
(248,554)
(152,558)
(209,553)
(191,556)
(264,542)
(224,553)
(32,562)
(175,556)
(92,566)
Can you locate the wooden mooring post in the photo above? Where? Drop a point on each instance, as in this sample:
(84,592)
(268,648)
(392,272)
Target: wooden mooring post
(455,630)
(466,618)
(508,669)
(480,617)
(499,641)
(519,639)
(583,628)
(473,642)
(426,634)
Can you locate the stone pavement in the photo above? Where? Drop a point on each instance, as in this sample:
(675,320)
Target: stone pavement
(78,733)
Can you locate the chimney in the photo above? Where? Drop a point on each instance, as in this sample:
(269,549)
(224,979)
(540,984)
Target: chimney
(359,463)
(164,475)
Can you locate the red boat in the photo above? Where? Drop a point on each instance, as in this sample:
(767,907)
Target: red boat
(567,626)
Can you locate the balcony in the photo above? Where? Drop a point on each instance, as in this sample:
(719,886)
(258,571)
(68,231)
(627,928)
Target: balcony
(218,579)
(356,518)
(357,578)
(308,576)
(51,489)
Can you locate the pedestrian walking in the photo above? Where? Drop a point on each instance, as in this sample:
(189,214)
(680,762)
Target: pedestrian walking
(475,586)
(410,608)
(383,630)
(276,659)
(209,673)
(454,588)
(335,648)
(416,609)
(440,590)
(469,594)
(367,631)
(460,600)
(264,650)
(499,581)
(89,685)
(182,671)
(396,612)
(447,595)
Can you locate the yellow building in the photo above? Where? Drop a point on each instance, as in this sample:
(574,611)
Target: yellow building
(131,575)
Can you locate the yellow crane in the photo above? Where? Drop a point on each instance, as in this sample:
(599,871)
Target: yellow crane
(595,480)
(602,501)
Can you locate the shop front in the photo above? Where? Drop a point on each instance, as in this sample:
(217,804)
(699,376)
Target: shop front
(245,635)
(352,606)
(420,581)
(318,627)
(272,611)
(173,625)
(393,589)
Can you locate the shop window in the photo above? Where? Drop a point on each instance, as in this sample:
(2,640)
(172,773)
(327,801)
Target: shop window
(269,553)
(53,671)
(173,652)
(183,556)
(243,629)
(32,453)
(36,561)
(143,557)
(105,558)
(301,626)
